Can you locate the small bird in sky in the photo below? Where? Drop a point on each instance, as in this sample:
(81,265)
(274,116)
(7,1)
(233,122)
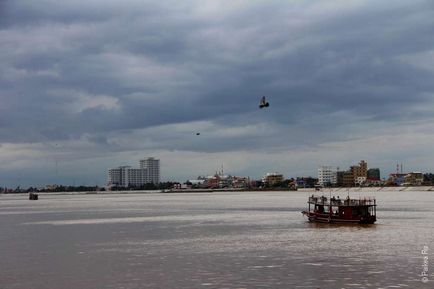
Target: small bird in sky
(198,133)
(263,103)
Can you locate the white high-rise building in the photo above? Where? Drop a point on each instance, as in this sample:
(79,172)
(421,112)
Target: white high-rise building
(124,176)
(153,167)
(327,176)
(118,176)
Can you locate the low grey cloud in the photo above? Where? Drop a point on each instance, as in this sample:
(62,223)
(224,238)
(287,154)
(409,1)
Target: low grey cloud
(146,76)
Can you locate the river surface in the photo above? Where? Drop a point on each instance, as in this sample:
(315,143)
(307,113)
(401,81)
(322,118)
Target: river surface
(210,240)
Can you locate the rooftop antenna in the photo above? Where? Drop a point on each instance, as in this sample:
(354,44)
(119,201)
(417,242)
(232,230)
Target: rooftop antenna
(56,162)
(401,168)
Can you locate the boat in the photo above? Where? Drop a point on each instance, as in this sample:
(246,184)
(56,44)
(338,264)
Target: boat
(345,211)
(33,196)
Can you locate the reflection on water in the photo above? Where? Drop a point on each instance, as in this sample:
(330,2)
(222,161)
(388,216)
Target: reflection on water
(219,240)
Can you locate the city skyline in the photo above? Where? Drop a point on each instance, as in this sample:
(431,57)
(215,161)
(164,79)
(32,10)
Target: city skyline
(149,169)
(89,85)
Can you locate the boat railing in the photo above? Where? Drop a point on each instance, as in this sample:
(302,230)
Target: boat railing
(323,200)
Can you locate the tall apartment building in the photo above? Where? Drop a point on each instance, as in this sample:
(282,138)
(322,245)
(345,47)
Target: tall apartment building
(373,174)
(356,175)
(153,167)
(361,170)
(118,176)
(125,176)
(340,178)
(327,176)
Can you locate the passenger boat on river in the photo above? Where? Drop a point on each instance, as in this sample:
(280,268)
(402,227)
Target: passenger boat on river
(335,210)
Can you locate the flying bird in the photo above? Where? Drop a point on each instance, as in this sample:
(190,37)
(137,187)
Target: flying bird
(198,133)
(263,103)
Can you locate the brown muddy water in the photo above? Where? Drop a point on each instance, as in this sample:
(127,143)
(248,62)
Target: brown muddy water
(211,240)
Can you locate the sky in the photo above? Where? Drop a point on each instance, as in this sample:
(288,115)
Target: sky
(91,85)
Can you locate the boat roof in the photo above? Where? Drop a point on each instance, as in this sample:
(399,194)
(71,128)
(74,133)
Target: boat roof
(336,201)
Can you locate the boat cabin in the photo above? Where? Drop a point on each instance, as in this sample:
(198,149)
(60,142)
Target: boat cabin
(336,210)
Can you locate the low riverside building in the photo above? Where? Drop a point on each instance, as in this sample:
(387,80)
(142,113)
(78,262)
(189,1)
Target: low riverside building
(413,179)
(240,182)
(271,179)
(374,183)
(179,186)
(306,182)
(397,178)
(327,176)
(220,181)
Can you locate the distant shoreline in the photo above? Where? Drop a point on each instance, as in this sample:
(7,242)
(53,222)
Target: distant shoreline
(372,189)
(187,191)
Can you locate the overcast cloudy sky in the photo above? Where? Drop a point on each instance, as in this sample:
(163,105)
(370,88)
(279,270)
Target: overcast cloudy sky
(89,85)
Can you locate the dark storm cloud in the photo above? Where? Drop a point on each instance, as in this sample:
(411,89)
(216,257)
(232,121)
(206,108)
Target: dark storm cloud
(101,67)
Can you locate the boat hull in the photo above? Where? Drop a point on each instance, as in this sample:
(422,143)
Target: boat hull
(323,218)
